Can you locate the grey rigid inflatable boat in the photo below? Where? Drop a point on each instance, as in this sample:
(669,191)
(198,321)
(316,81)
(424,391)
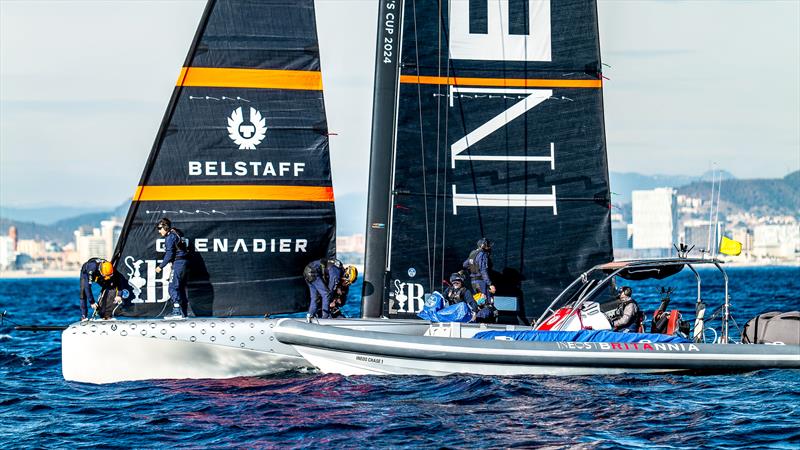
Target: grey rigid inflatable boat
(352,352)
(559,343)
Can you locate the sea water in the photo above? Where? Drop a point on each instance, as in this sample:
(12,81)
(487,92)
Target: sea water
(296,410)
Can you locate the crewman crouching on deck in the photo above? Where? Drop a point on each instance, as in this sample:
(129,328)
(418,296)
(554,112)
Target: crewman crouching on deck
(322,276)
(339,296)
(100,271)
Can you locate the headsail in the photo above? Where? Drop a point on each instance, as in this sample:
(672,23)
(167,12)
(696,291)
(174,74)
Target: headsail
(499,134)
(240,165)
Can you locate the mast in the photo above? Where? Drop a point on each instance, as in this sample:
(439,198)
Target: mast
(387,54)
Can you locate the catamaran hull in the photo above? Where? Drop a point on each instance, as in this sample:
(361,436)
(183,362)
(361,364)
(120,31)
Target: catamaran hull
(350,352)
(130,350)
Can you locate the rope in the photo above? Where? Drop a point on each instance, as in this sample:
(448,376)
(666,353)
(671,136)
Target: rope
(422,151)
(438,144)
(446,140)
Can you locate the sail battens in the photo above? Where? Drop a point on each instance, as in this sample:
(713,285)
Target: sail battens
(504,82)
(250,78)
(234,192)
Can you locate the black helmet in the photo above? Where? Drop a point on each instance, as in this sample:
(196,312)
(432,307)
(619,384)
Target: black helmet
(484,244)
(456,277)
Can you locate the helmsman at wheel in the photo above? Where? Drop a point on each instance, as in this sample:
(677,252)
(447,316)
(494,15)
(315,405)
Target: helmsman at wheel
(176,252)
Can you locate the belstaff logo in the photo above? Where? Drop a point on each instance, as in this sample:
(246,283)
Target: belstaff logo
(246,134)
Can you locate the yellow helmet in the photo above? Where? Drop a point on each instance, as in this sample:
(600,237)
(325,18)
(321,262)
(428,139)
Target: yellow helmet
(106,269)
(350,274)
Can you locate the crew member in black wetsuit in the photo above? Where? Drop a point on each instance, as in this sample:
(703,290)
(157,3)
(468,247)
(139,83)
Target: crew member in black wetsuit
(176,251)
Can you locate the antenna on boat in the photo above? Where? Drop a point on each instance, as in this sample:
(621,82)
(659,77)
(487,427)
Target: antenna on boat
(711,210)
(683,249)
(717,233)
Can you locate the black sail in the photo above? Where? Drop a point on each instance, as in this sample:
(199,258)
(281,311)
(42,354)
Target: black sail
(240,165)
(500,134)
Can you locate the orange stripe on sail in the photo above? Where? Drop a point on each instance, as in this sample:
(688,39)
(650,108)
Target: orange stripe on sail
(250,78)
(234,192)
(501,82)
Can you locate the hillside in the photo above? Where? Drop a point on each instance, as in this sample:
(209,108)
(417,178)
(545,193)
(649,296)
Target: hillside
(62,230)
(623,183)
(760,196)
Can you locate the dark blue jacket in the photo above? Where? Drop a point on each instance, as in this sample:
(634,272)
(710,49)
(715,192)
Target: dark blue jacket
(478,265)
(171,248)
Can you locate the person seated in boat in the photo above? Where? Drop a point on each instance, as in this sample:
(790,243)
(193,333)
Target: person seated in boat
(627,317)
(487,313)
(176,252)
(456,293)
(478,264)
(100,271)
(339,296)
(322,276)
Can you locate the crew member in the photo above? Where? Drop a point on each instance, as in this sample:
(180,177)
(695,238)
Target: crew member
(456,293)
(487,313)
(176,251)
(322,276)
(628,316)
(339,295)
(112,284)
(478,263)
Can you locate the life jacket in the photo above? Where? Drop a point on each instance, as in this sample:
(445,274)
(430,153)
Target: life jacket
(472,262)
(454,295)
(638,316)
(313,271)
(93,274)
(183,243)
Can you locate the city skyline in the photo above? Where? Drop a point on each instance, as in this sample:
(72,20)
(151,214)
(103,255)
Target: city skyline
(685,89)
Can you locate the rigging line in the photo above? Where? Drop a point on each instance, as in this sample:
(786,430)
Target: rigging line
(422,150)
(438,140)
(446,139)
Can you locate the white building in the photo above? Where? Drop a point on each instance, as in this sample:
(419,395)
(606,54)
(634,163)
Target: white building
(777,241)
(110,230)
(90,244)
(7,254)
(655,220)
(350,244)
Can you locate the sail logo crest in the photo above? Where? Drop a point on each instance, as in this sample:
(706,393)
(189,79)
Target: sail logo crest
(246,134)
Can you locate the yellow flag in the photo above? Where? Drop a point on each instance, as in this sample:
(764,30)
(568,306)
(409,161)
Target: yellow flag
(730,247)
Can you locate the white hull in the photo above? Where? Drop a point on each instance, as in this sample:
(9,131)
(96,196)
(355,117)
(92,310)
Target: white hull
(130,350)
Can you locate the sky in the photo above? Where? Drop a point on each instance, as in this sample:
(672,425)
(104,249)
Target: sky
(84,85)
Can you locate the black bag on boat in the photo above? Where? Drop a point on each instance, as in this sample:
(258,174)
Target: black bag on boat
(773,327)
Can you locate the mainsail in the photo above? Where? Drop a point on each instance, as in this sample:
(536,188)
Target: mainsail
(240,164)
(497,119)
